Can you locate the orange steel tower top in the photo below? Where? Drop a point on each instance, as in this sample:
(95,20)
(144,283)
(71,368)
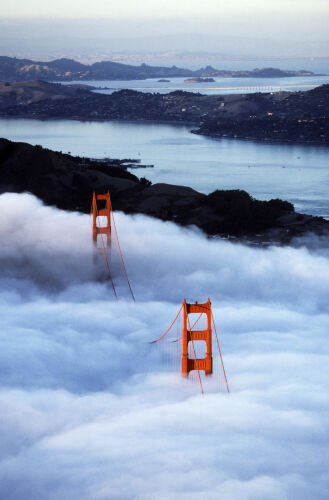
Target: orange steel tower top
(106,230)
(189,335)
(105,212)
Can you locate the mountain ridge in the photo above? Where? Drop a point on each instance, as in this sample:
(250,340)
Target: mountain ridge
(64,69)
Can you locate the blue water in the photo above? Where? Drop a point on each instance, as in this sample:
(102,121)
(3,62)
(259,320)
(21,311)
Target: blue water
(220,86)
(299,174)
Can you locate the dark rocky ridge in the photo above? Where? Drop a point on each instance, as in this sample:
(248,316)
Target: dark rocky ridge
(68,182)
(12,69)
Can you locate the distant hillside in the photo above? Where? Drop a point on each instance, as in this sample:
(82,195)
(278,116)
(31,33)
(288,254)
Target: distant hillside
(294,117)
(24,93)
(12,69)
(283,116)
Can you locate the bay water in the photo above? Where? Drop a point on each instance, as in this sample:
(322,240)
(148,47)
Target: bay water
(221,85)
(297,173)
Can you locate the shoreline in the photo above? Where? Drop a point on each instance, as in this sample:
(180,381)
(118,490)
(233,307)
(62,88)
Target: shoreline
(224,76)
(262,141)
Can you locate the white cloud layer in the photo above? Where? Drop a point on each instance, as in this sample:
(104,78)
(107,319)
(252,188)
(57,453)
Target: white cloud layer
(89,411)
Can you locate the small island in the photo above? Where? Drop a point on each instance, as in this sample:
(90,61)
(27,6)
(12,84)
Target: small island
(163,80)
(199,80)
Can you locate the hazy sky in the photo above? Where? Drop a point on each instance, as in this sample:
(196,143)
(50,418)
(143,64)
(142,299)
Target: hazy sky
(162,8)
(300,15)
(84,26)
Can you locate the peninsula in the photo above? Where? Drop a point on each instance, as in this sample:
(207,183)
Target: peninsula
(283,116)
(67,182)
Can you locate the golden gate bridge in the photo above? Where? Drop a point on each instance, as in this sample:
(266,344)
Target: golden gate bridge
(191,340)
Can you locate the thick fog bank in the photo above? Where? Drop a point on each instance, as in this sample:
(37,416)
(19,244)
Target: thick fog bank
(89,410)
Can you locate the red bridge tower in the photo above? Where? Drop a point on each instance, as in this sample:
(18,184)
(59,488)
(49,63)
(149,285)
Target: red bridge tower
(105,212)
(189,335)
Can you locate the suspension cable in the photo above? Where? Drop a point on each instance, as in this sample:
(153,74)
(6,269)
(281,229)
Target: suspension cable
(195,322)
(106,259)
(165,333)
(123,264)
(220,354)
